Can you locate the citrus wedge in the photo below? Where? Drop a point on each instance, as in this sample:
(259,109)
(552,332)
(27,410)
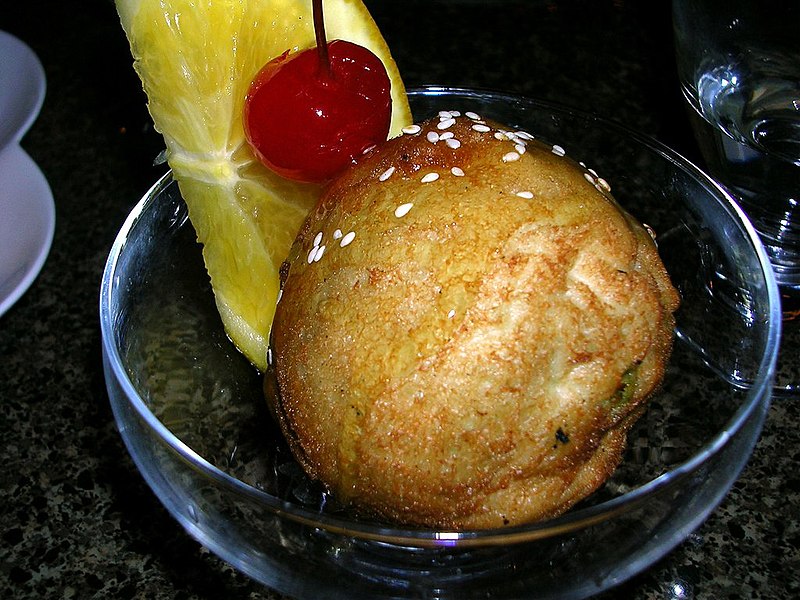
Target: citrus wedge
(196,61)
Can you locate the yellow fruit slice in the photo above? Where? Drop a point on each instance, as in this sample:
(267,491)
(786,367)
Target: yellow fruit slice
(196,61)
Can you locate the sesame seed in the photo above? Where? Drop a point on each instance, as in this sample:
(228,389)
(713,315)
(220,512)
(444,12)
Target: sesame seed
(510,157)
(455,113)
(318,239)
(412,129)
(444,114)
(451,314)
(280,295)
(386,174)
(480,128)
(430,177)
(526,195)
(318,254)
(367,150)
(604,185)
(402,210)
(524,135)
(473,116)
(433,137)
(593,172)
(520,148)
(558,150)
(337,234)
(457,171)
(269,356)
(500,136)
(447,135)
(446,123)
(347,239)
(453,143)
(312,253)
(588,178)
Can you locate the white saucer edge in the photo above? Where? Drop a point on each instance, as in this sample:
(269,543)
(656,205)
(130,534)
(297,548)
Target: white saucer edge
(25,195)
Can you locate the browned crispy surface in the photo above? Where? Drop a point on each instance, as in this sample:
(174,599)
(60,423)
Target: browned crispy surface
(465,364)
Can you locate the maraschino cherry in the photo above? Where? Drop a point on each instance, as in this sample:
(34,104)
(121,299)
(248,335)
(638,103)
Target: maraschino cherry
(310,114)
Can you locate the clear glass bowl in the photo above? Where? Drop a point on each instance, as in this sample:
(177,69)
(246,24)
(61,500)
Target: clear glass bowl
(192,414)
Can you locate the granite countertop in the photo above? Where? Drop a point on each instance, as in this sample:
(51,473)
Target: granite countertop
(77,520)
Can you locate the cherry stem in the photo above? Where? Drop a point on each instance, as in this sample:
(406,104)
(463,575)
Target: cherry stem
(322,40)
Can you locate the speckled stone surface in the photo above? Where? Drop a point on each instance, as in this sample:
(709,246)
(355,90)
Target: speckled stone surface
(76,518)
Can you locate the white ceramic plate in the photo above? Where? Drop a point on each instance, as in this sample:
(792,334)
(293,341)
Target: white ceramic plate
(27,223)
(22,87)
(27,212)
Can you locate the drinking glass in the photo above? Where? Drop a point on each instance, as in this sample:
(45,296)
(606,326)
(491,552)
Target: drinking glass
(739,68)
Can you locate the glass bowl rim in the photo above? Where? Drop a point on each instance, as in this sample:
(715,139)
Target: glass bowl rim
(572,520)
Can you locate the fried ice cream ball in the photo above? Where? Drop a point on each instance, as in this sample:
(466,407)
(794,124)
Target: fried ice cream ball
(469,326)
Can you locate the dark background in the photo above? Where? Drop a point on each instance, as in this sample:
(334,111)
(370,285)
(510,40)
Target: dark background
(76,518)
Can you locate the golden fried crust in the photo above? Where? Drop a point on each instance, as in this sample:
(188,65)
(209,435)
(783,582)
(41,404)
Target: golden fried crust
(468,351)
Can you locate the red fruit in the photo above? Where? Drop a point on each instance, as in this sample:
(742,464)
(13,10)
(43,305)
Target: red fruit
(308,120)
